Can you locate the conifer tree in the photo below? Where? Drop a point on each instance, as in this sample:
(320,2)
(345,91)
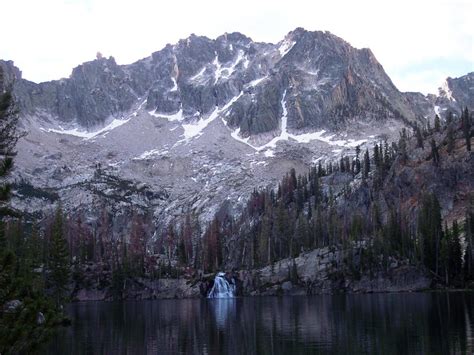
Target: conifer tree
(437,123)
(59,258)
(449,118)
(265,240)
(434,152)
(302,235)
(321,171)
(357,164)
(455,252)
(430,231)
(469,252)
(445,254)
(419,138)
(402,146)
(366,164)
(450,139)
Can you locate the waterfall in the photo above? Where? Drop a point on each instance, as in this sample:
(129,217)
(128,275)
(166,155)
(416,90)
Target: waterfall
(222,288)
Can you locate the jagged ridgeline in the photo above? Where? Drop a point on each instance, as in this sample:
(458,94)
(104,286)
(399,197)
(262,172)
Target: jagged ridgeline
(330,77)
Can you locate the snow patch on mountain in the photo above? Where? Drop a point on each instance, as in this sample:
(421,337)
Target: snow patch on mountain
(175,85)
(178,116)
(269,153)
(285,47)
(194,130)
(236,135)
(71,132)
(255,82)
(197,77)
(447,91)
(86,134)
(226,71)
(151,153)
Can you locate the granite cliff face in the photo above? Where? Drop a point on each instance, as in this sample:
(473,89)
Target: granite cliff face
(324,82)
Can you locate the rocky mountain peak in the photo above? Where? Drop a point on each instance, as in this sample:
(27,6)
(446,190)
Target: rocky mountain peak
(234,38)
(10,73)
(327,83)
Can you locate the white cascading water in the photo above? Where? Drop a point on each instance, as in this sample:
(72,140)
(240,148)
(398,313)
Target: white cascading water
(222,288)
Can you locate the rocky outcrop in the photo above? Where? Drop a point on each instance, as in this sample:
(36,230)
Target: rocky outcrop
(457,93)
(324,271)
(12,306)
(96,282)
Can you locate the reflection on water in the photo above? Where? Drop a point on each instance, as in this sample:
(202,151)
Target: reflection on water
(429,323)
(224,310)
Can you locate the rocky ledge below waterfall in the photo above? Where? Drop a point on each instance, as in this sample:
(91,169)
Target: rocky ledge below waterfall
(320,271)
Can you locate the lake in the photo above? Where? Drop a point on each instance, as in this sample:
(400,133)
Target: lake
(406,323)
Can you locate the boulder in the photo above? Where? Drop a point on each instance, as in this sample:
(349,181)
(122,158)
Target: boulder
(12,306)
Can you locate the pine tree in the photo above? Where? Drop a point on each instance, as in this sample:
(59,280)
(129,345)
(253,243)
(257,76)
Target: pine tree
(402,146)
(445,254)
(265,240)
(455,252)
(299,195)
(449,118)
(434,152)
(366,164)
(430,231)
(469,252)
(321,171)
(182,252)
(138,243)
(59,258)
(387,161)
(378,162)
(357,164)
(188,238)
(419,138)
(317,229)
(302,235)
(342,165)
(437,123)
(450,139)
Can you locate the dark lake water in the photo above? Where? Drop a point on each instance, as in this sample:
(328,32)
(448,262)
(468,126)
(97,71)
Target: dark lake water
(417,323)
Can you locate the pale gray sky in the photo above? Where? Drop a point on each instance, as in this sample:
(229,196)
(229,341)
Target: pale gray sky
(419,42)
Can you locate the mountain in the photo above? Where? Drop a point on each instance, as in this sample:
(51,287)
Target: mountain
(323,81)
(201,123)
